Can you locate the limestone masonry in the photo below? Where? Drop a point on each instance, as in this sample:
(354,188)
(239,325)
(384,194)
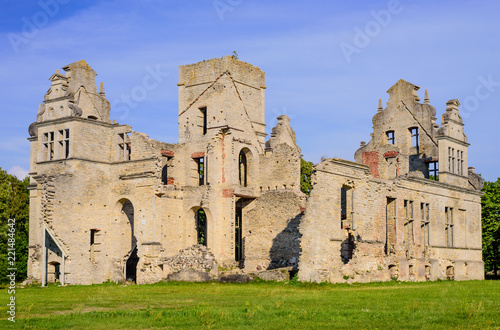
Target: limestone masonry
(109,203)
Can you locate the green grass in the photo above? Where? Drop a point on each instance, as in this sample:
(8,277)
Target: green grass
(259,305)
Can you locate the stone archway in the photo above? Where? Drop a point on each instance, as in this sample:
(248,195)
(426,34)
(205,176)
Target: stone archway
(128,244)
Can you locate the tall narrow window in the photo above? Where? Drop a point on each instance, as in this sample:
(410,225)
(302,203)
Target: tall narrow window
(433,170)
(201,227)
(238,237)
(200,170)
(448,211)
(460,162)
(203,120)
(243,169)
(424,224)
(390,243)
(63,144)
(451,160)
(48,144)
(408,222)
(164,174)
(390,137)
(414,137)
(92,244)
(124,146)
(346,208)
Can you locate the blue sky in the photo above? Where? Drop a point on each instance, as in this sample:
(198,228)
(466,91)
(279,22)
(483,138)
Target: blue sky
(327,62)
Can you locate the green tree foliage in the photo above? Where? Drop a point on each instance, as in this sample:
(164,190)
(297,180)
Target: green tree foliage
(14,204)
(491,225)
(306,169)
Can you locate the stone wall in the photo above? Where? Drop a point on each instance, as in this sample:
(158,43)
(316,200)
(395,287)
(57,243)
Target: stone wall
(271,231)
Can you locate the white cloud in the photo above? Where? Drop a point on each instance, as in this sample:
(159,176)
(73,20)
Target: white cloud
(18,172)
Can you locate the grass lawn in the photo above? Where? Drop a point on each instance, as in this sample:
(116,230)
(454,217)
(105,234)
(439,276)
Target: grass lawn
(258,305)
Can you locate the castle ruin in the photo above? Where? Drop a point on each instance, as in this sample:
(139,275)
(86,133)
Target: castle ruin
(109,203)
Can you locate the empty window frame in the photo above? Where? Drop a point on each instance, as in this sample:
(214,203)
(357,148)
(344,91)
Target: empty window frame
(200,170)
(448,211)
(238,233)
(48,146)
(243,169)
(425,224)
(124,147)
(164,175)
(201,227)
(408,222)
(92,244)
(414,137)
(433,169)
(460,162)
(64,143)
(390,137)
(451,160)
(203,120)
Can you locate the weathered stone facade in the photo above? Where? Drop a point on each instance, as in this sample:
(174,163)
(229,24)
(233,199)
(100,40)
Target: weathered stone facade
(109,203)
(393,213)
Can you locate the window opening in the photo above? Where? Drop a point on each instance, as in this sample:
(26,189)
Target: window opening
(408,222)
(200,170)
(92,244)
(433,170)
(201,227)
(414,137)
(204,120)
(243,169)
(424,224)
(390,137)
(390,226)
(449,226)
(48,139)
(124,146)
(451,160)
(164,174)
(238,237)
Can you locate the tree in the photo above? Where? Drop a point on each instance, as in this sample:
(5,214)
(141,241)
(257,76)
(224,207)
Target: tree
(14,204)
(491,225)
(306,169)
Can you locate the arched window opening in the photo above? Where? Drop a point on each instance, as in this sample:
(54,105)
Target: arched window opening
(201,227)
(243,169)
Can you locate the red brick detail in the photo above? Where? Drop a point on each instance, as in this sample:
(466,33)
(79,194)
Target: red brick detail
(170,180)
(167,153)
(227,193)
(197,154)
(391,154)
(370,158)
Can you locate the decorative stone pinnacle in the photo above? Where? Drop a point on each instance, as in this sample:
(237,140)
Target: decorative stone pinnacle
(380,108)
(426,98)
(101,88)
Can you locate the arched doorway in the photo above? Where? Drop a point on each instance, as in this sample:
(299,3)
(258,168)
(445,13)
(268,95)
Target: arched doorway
(129,243)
